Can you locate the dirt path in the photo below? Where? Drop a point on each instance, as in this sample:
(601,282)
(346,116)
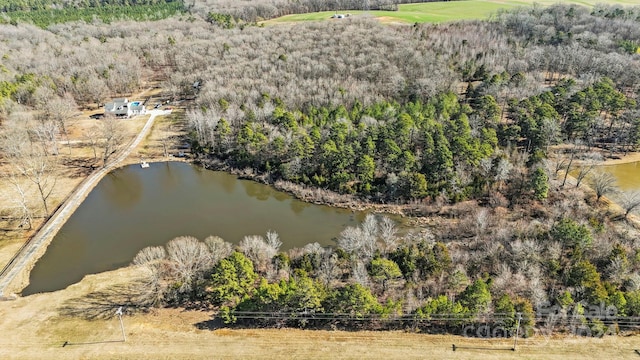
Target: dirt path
(19,267)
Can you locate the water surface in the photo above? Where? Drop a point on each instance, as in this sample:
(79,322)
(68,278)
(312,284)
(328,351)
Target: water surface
(627,175)
(132,208)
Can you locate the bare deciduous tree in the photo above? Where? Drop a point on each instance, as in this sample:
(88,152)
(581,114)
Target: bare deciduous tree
(593,159)
(629,200)
(46,132)
(633,282)
(273,241)
(537,292)
(41,171)
(483,220)
(603,183)
(356,241)
(554,166)
(91,90)
(351,239)
(149,256)
(60,110)
(23,211)
(361,241)
(370,226)
(388,233)
(92,135)
(359,273)
(574,150)
(503,169)
(188,259)
(259,250)
(328,269)
(14,141)
(313,248)
(152,260)
(218,248)
(112,132)
(618,269)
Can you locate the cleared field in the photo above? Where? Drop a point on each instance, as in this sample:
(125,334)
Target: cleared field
(437,12)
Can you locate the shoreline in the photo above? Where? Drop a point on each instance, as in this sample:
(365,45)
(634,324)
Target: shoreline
(306,194)
(625,159)
(610,202)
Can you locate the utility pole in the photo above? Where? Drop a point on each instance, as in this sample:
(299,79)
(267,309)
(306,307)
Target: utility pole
(119,313)
(515,340)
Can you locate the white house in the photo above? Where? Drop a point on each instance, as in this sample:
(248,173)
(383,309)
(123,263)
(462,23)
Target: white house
(122,107)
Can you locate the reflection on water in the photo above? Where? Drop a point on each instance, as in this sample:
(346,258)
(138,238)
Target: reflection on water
(124,189)
(280,196)
(228,183)
(133,208)
(257,191)
(298,206)
(171,180)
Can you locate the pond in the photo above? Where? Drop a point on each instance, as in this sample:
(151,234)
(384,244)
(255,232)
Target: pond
(627,180)
(132,208)
(627,175)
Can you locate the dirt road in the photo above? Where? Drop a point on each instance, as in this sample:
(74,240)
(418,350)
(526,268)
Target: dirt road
(17,269)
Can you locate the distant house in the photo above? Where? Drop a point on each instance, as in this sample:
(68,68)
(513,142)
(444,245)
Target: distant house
(122,107)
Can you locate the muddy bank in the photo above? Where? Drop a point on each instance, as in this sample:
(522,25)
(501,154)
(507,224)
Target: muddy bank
(629,158)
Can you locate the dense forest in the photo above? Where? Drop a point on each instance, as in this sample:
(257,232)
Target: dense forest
(418,121)
(472,127)
(43,13)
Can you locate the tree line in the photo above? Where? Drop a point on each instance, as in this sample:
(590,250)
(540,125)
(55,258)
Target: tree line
(107,13)
(386,151)
(374,278)
(8,6)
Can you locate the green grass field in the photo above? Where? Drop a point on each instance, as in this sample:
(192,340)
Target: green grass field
(437,12)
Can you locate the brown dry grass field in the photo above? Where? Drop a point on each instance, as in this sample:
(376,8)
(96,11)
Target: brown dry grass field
(36,327)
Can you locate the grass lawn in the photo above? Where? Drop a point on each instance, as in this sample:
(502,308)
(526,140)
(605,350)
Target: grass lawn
(437,12)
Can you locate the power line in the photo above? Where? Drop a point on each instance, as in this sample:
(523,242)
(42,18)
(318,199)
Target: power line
(433,318)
